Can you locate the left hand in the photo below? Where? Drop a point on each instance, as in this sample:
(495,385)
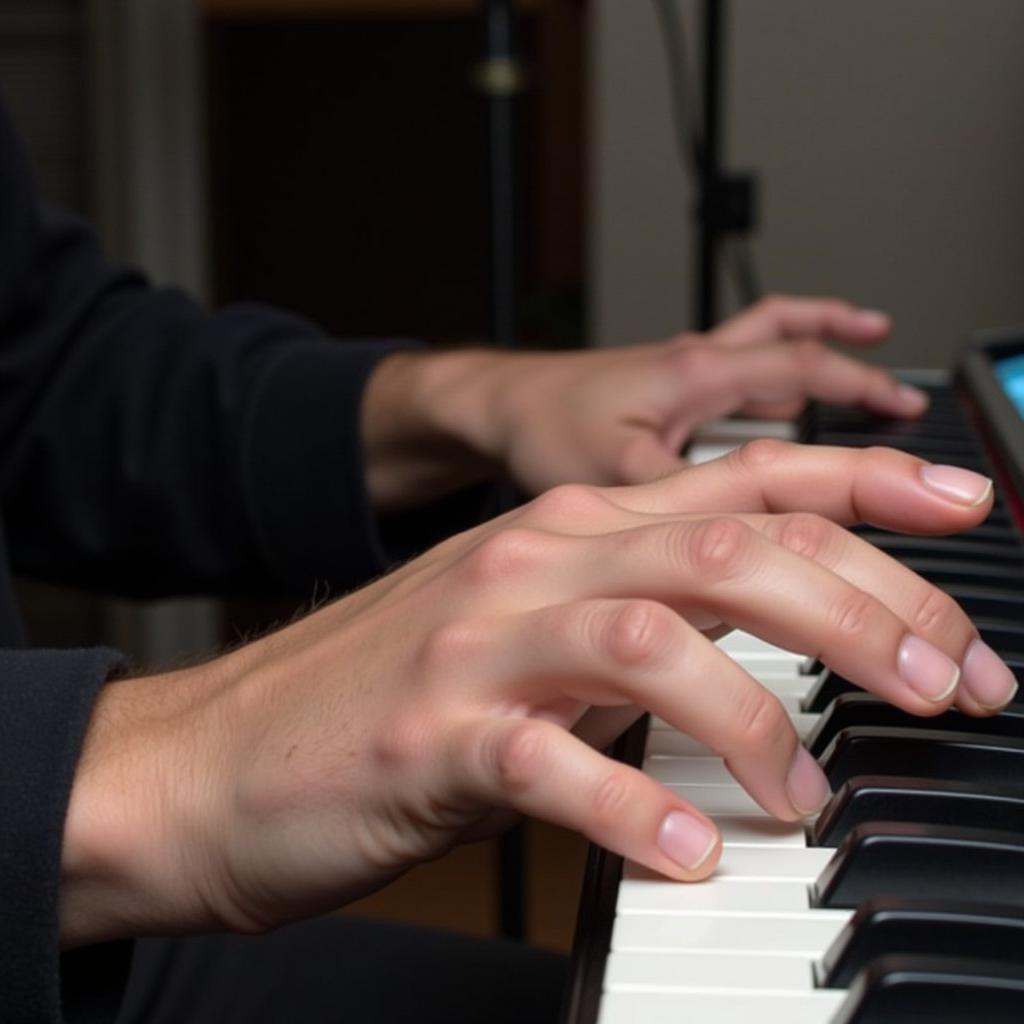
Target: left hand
(614,416)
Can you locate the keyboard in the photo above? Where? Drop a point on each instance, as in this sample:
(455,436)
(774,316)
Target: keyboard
(904,899)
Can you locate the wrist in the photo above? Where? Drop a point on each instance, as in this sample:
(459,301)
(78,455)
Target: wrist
(136,836)
(429,424)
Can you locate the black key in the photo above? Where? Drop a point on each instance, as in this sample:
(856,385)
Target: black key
(927,446)
(927,862)
(976,574)
(829,686)
(988,602)
(924,754)
(865,709)
(954,549)
(936,990)
(875,798)
(909,927)
(986,533)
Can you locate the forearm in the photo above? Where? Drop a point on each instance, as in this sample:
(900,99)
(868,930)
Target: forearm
(427,425)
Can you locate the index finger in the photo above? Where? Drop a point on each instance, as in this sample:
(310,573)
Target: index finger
(880,486)
(786,317)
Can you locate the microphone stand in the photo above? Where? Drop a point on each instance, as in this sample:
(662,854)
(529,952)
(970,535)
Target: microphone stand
(499,79)
(726,204)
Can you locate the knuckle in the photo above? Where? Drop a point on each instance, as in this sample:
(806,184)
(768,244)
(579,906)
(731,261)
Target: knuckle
(405,741)
(805,533)
(764,453)
(517,756)
(808,353)
(508,553)
(773,302)
(697,362)
(853,613)
(610,799)
(452,644)
(567,501)
(719,547)
(937,614)
(639,633)
(759,719)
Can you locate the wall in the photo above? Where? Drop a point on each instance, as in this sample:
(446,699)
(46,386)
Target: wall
(889,138)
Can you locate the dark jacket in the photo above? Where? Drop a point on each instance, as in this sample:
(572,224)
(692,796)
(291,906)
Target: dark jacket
(147,448)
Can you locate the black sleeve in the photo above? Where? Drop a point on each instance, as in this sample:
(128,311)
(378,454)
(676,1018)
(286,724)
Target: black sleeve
(46,698)
(148,447)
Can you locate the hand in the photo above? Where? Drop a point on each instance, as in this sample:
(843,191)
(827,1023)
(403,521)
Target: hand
(481,680)
(616,415)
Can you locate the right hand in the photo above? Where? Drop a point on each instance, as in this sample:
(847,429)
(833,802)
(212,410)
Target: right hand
(481,680)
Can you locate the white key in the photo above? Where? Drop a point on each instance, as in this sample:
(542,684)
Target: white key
(718,799)
(740,430)
(808,934)
(678,971)
(742,864)
(740,643)
(702,771)
(663,740)
(760,830)
(753,1007)
(641,895)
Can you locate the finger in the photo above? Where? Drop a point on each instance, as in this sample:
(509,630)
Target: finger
(783,316)
(621,654)
(724,568)
(539,769)
(880,486)
(782,373)
(987,684)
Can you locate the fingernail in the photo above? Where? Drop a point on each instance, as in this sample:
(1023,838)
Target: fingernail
(956,484)
(912,400)
(926,669)
(686,839)
(987,678)
(806,784)
(875,319)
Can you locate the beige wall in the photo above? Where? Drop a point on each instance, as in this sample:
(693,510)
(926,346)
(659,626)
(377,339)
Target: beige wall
(889,137)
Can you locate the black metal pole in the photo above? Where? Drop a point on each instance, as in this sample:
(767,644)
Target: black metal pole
(711,169)
(500,79)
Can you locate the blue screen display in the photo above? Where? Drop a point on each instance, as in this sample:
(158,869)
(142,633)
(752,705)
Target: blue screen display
(1010,372)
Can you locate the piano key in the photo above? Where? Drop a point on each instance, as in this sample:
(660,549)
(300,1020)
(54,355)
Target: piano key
(940,990)
(869,798)
(699,771)
(693,971)
(725,1007)
(806,933)
(929,862)
(864,709)
(661,897)
(886,927)
(977,574)
(992,602)
(923,753)
(760,830)
(664,741)
(954,549)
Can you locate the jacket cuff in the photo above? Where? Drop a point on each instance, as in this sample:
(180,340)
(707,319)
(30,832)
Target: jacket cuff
(46,700)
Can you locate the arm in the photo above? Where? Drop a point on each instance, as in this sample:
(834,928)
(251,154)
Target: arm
(482,679)
(616,415)
(150,447)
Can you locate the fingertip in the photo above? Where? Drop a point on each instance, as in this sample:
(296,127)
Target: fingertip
(910,401)
(961,487)
(690,843)
(873,321)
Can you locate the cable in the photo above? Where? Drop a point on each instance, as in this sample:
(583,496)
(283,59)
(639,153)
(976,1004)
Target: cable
(689,138)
